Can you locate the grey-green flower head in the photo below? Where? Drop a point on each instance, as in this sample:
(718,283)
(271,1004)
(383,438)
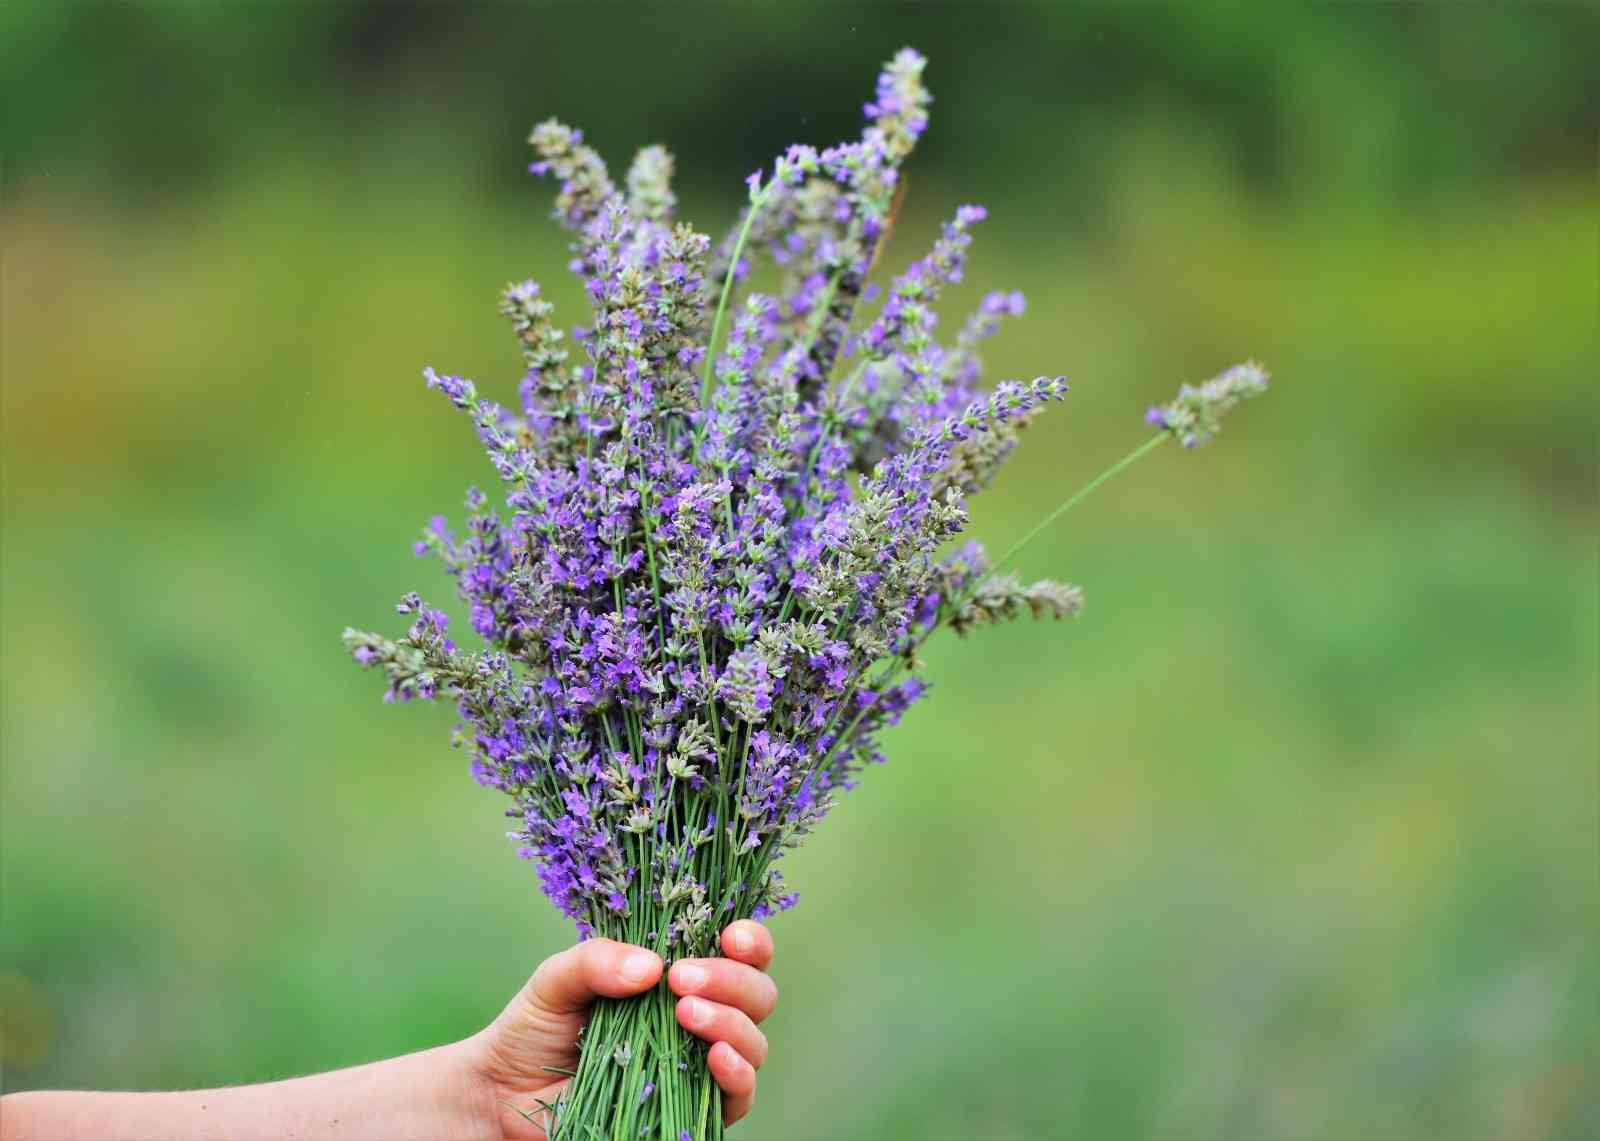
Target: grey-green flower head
(1195,416)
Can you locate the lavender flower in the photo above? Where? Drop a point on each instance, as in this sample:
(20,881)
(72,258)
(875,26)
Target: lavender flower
(1194,416)
(714,557)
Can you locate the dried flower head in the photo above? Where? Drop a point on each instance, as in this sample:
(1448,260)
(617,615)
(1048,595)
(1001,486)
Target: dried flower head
(1194,416)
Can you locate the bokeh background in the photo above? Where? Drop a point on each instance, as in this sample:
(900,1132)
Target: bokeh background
(1292,835)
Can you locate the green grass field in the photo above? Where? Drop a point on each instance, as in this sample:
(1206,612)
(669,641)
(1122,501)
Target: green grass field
(1293,834)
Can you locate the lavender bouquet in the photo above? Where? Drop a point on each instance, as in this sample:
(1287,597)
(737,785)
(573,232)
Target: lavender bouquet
(727,529)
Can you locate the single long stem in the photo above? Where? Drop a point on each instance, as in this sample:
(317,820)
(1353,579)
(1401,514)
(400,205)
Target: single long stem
(902,662)
(1077,497)
(722,304)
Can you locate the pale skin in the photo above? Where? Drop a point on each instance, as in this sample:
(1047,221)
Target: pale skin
(469,1089)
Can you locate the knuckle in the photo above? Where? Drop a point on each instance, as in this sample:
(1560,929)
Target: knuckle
(590,963)
(541,983)
(717,972)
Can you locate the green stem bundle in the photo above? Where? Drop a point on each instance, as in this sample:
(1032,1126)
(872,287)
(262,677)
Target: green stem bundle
(640,1075)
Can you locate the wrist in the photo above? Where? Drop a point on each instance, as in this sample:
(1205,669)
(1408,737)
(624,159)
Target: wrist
(469,1089)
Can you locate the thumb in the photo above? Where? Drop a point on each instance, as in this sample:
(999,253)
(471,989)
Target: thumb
(568,982)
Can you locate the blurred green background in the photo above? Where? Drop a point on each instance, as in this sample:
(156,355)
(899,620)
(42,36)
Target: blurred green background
(1292,835)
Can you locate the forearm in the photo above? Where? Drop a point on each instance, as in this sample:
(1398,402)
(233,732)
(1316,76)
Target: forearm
(427,1096)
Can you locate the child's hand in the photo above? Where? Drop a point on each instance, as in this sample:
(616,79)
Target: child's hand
(721,1001)
(473,1088)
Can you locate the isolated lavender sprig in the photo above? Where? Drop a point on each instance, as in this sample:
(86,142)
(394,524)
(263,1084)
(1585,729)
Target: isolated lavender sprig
(1194,416)
(725,528)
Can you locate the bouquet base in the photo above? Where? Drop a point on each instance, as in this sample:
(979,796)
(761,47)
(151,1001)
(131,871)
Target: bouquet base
(640,1077)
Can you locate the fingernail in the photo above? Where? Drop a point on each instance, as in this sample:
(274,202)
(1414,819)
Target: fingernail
(638,966)
(742,940)
(697,1011)
(691,977)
